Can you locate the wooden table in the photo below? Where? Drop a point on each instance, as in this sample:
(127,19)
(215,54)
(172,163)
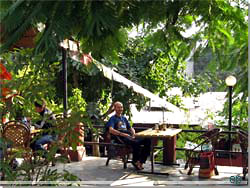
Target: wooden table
(35,131)
(160,134)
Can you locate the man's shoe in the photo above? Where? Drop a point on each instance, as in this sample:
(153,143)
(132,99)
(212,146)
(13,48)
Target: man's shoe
(137,167)
(14,164)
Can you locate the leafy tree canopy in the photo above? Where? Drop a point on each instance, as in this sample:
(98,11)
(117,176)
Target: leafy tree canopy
(102,28)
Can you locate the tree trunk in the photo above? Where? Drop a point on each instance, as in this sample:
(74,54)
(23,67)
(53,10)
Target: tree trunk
(75,79)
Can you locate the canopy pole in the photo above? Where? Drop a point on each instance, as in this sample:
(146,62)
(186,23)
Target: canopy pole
(1,111)
(65,86)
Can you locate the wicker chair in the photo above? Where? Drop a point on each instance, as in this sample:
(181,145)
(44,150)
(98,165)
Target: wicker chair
(17,137)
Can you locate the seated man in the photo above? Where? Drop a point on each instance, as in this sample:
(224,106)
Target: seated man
(119,126)
(43,124)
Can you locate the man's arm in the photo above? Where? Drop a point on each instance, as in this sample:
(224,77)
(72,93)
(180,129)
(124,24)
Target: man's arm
(132,131)
(39,126)
(118,133)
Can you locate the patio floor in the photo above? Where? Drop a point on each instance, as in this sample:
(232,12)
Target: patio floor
(92,171)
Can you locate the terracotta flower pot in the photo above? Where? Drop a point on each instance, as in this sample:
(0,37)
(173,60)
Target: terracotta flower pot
(26,41)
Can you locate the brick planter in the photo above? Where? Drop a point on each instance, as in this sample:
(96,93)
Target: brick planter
(80,151)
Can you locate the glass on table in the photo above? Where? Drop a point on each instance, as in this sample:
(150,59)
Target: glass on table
(156,127)
(164,127)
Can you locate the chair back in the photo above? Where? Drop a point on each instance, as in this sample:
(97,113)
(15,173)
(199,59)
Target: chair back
(17,133)
(243,138)
(106,136)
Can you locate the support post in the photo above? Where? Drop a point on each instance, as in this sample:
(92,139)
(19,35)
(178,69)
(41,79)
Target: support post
(65,86)
(230,117)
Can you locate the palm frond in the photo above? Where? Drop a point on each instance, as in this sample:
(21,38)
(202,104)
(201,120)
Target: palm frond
(12,9)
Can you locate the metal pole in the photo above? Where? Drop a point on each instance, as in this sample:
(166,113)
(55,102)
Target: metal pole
(163,118)
(1,116)
(230,116)
(65,87)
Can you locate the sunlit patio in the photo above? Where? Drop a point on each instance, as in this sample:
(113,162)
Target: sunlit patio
(93,171)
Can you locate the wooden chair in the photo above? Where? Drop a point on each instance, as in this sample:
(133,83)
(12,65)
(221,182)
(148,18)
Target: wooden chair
(243,138)
(116,151)
(193,155)
(63,132)
(57,146)
(17,137)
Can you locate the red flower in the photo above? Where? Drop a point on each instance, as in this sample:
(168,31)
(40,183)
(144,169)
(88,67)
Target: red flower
(4,74)
(8,94)
(86,59)
(6,91)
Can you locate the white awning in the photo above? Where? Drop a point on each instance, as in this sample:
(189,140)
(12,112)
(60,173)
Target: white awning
(112,75)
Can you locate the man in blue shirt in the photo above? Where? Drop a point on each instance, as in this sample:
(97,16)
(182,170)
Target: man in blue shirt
(119,126)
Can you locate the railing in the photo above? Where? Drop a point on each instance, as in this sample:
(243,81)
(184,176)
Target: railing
(141,126)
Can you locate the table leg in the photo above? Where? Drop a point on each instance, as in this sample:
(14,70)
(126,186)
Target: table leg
(169,151)
(152,156)
(152,159)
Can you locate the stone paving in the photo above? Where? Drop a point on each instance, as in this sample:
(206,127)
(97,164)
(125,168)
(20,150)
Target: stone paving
(92,171)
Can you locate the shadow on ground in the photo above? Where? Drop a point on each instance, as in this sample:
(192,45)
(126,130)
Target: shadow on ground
(94,169)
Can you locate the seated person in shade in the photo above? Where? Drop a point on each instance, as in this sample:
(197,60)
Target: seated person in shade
(20,117)
(119,126)
(47,136)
